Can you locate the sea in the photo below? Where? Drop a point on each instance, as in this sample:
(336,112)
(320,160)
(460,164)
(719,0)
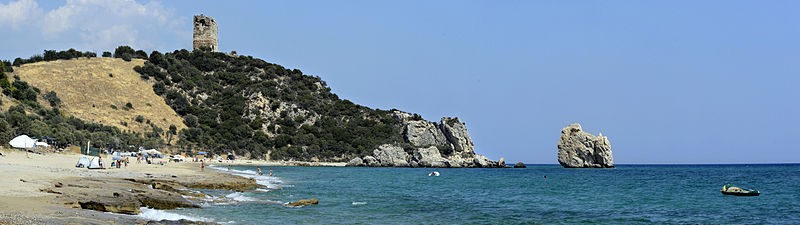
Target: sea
(538,194)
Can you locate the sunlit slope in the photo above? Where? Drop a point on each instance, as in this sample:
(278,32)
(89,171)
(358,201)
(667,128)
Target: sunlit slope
(91,89)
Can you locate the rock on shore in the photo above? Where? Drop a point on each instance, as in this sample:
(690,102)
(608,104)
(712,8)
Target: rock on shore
(444,144)
(578,149)
(127,196)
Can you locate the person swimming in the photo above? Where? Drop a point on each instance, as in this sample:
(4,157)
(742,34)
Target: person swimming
(259,171)
(270,171)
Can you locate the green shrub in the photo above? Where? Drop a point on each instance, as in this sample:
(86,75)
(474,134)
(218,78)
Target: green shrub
(52,98)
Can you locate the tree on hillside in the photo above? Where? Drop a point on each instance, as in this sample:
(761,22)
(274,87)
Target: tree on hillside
(106,54)
(8,68)
(52,97)
(173,130)
(4,83)
(124,51)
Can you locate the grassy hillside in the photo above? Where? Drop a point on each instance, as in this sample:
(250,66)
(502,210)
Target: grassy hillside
(97,90)
(26,109)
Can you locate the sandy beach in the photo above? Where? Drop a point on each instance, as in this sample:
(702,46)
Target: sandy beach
(30,185)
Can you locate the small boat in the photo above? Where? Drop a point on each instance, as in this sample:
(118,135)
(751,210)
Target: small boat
(433,174)
(733,190)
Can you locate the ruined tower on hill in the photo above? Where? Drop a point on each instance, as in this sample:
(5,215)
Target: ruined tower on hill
(205,33)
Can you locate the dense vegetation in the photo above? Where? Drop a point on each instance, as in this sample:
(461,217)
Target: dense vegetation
(229,103)
(304,119)
(30,118)
(52,55)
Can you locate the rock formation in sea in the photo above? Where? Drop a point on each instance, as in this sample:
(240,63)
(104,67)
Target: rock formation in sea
(520,165)
(444,144)
(578,149)
(303,202)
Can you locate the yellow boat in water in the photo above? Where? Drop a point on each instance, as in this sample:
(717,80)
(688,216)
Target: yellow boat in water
(729,189)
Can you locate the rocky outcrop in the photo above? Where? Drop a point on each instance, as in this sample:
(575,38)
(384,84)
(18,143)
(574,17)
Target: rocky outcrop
(423,133)
(429,157)
(445,144)
(394,156)
(390,155)
(303,202)
(371,161)
(127,196)
(578,149)
(357,161)
(458,137)
(520,165)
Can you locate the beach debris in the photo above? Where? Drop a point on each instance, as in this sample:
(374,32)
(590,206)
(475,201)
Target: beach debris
(303,202)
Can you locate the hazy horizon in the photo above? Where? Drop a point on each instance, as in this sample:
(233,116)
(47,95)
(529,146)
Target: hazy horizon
(672,82)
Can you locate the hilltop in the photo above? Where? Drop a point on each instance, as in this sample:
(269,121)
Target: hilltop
(98,90)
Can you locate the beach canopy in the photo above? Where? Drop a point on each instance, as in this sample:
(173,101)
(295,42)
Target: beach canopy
(150,151)
(42,144)
(178,157)
(95,163)
(83,161)
(22,141)
(201,153)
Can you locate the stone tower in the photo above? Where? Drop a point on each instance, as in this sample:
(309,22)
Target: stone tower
(205,33)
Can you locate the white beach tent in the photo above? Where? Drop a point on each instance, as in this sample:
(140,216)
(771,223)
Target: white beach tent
(22,141)
(150,151)
(83,161)
(39,144)
(95,163)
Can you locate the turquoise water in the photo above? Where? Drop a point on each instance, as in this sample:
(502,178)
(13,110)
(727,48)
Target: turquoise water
(624,195)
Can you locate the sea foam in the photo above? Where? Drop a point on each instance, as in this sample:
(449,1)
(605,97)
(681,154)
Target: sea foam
(271,182)
(155,214)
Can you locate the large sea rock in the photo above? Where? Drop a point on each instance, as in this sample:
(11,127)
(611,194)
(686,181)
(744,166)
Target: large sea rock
(578,149)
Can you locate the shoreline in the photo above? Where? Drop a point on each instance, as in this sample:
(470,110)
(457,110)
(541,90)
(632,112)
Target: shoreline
(49,189)
(252,162)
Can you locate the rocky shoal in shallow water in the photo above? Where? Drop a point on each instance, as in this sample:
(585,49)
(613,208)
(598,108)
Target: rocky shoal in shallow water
(128,195)
(444,144)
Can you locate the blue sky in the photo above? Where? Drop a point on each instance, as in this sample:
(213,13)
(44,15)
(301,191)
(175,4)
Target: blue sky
(666,81)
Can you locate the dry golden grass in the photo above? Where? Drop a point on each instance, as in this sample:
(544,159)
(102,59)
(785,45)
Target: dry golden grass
(87,92)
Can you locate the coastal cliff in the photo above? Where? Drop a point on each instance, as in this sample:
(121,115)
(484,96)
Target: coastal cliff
(578,149)
(431,144)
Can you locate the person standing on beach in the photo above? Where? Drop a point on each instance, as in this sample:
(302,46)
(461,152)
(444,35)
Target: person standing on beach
(202,166)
